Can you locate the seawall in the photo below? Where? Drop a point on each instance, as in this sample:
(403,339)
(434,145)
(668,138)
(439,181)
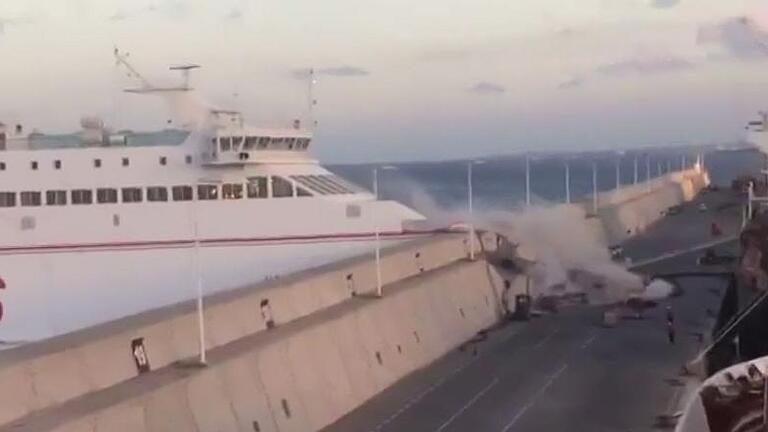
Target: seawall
(293,354)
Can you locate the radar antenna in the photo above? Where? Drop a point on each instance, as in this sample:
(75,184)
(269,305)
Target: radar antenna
(121,59)
(184,69)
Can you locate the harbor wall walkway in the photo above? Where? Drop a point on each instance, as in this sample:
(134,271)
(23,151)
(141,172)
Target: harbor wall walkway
(292,354)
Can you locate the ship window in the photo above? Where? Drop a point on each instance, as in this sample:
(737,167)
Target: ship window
(56,197)
(290,142)
(188,159)
(182,193)
(263,142)
(237,142)
(57,164)
(225,143)
(2,166)
(163,160)
(281,187)
(311,182)
(250,142)
(207,192)
(82,196)
(33,165)
(7,199)
(232,191)
(97,163)
(257,187)
(106,195)
(157,193)
(300,191)
(131,194)
(30,199)
(277,142)
(126,161)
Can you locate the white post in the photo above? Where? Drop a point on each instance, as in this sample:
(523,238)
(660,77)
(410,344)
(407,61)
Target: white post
(471,212)
(658,168)
(379,289)
(750,195)
(636,176)
(527,180)
(648,172)
(567,182)
(198,270)
(618,173)
(594,188)
(682,163)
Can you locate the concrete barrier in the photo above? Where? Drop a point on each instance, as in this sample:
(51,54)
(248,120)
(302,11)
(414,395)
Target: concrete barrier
(631,209)
(51,372)
(303,375)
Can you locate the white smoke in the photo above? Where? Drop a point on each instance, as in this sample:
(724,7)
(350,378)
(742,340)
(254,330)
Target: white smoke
(570,250)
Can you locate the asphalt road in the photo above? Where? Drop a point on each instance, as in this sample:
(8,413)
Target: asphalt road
(565,372)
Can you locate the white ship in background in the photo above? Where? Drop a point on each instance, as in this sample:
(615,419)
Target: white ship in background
(96,225)
(757,132)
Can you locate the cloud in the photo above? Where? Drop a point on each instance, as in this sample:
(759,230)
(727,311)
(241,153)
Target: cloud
(173,9)
(631,67)
(571,83)
(343,71)
(735,38)
(485,87)
(643,66)
(664,4)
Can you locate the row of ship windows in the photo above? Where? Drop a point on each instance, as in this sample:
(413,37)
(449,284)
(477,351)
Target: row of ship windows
(34,165)
(261,143)
(256,188)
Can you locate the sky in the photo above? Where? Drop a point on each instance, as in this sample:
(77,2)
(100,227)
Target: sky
(403,80)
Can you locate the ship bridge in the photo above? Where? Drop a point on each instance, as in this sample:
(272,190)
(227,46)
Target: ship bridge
(234,143)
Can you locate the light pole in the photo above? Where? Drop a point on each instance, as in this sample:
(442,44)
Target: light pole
(470,207)
(198,267)
(682,163)
(377,229)
(594,187)
(648,172)
(636,176)
(567,182)
(618,172)
(527,180)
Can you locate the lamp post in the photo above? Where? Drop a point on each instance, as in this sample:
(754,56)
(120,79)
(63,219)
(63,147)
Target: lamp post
(527,180)
(648,172)
(471,208)
(377,229)
(567,182)
(636,176)
(618,171)
(594,187)
(198,267)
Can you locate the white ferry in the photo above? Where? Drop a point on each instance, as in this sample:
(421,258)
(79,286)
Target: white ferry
(97,225)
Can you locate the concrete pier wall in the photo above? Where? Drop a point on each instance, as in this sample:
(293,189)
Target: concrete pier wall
(632,209)
(56,370)
(303,375)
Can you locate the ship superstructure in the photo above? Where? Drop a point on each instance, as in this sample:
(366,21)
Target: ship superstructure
(98,224)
